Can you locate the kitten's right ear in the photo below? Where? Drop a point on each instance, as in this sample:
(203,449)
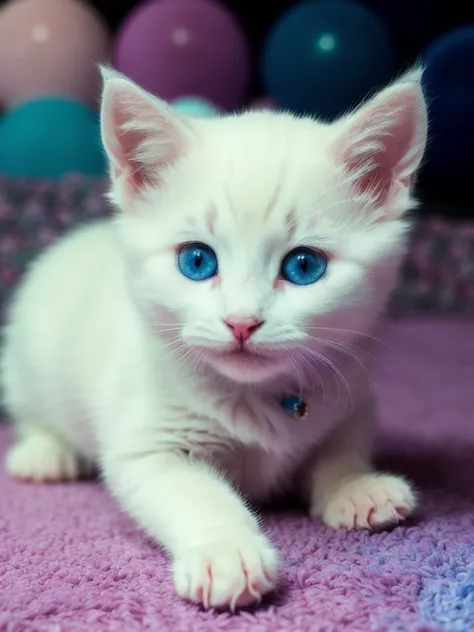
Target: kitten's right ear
(382,143)
(141,134)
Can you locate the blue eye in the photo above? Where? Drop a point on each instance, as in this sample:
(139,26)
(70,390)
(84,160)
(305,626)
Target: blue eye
(303,266)
(197,261)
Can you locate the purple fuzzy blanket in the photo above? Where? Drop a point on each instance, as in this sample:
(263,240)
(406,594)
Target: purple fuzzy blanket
(69,560)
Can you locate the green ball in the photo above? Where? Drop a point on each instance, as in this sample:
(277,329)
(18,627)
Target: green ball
(50,137)
(195,106)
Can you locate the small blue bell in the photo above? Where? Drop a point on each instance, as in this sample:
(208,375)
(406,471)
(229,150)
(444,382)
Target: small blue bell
(296,406)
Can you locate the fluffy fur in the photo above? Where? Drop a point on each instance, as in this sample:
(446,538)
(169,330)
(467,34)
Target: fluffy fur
(114,358)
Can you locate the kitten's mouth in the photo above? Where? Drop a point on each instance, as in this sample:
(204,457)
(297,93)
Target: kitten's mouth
(242,355)
(244,364)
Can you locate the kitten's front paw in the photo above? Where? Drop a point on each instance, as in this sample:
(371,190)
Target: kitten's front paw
(372,501)
(41,458)
(232,573)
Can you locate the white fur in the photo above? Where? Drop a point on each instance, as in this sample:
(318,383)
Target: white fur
(112,357)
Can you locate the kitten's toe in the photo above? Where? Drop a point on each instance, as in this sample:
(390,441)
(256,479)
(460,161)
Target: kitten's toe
(229,574)
(42,458)
(372,501)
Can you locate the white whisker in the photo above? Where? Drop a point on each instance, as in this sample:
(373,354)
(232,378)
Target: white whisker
(346,349)
(334,368)
(361,334)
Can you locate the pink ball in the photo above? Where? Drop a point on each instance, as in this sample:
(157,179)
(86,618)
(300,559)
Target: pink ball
(51,47)
(174,48)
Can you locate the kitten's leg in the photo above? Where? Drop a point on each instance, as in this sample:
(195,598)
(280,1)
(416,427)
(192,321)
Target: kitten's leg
(342,487)
(38,454)
(41,457)
(220,557)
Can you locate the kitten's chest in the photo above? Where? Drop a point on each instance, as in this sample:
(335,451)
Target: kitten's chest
(258,445)
(256,474)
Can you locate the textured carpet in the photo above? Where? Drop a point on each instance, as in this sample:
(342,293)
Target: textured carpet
(69,560)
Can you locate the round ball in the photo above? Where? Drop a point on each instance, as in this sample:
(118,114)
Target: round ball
(51,47)
(195,106)
(175,48)
(448,82)
(324,57)
(49,138)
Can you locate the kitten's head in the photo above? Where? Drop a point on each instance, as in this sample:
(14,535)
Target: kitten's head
(256,241)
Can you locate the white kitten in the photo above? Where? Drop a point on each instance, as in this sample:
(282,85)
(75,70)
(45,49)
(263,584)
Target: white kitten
(250,257)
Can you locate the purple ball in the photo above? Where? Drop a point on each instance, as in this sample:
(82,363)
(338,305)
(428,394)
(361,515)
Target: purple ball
(174,48)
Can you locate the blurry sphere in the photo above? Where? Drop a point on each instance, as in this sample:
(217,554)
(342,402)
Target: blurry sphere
(448,82)
(50,47)
(263,103)
(175,48)
(50,137)
(195,106)
(323,57)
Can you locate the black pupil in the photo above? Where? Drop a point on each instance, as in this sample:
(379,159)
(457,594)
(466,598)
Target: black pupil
(303,263)
(198,258)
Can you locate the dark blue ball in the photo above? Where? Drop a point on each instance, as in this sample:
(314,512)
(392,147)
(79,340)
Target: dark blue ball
(50,137)
(325,56)
(448,82)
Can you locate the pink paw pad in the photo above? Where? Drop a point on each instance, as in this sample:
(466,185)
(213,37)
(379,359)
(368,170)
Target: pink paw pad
(231,574)
(372,501)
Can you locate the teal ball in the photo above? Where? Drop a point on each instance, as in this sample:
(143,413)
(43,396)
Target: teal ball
(50,137)
(195,106)
(323,57)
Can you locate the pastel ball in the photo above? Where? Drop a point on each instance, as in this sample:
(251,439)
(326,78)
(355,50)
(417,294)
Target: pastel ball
(323,57)
(448,82)
(51,47)
(177,48)
(49,138)
(194,106)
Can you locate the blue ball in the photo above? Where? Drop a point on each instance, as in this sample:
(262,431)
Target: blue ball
(195,106)
(448,83)
(50,137)
(323,57)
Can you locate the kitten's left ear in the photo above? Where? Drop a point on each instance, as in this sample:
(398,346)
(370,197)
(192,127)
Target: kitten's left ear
(141,134)
(381,145)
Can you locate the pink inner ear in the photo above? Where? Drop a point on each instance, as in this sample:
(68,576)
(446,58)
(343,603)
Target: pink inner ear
(385,145)
(140,134)
(127,147)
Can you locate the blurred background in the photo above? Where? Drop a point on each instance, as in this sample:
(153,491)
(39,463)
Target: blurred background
(318,57)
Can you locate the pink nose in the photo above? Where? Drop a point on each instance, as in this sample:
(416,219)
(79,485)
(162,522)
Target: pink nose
(243,328)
